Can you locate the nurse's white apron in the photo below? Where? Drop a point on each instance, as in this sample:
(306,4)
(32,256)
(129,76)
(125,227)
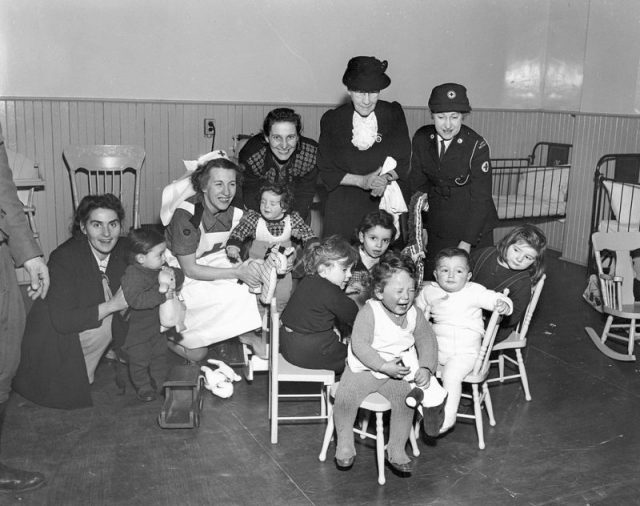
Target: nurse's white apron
(216,310)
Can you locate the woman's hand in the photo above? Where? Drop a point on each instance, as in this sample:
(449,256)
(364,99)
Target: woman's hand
(118,302)
(233,252)
(375,183)
(113,305)
(38,277)
(247,274)
(395,369)
(465,246)
(423,377)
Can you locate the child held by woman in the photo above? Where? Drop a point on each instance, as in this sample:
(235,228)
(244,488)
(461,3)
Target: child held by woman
(318,305)
(455,305)
(387,327)
(145,346)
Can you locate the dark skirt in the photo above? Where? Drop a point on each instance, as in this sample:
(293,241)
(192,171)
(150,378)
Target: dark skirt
(314,351)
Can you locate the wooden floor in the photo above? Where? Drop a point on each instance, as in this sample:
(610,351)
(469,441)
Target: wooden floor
(577,441)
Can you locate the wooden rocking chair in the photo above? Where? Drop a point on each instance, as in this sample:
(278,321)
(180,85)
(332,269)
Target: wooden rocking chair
(617,293)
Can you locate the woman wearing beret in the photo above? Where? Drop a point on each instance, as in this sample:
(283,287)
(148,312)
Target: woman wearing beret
(450,163)
(355,140)
(279,154)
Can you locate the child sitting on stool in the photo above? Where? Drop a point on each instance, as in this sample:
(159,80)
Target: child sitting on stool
(145,346)
(455,305)
(276,224)
(386,327)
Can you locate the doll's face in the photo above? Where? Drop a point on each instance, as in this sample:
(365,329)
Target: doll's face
(271,206)
(154,258)
(398,293)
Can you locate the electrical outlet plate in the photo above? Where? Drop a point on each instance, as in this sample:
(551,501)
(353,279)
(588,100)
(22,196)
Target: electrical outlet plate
(209,127)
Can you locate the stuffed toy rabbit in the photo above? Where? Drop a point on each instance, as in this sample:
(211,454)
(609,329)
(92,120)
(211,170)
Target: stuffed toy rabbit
(219,381)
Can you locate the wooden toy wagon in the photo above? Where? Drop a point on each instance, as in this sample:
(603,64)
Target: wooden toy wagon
(183,398)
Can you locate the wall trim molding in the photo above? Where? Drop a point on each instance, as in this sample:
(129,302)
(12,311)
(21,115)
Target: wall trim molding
(298,104)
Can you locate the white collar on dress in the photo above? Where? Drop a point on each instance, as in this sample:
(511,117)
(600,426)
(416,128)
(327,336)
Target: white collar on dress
(365,130)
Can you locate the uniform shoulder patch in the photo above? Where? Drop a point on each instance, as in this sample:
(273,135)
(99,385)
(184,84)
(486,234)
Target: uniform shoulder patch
(485,167)
(483,144)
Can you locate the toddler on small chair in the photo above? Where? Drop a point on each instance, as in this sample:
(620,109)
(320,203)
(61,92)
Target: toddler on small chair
(455,305)
(386,327)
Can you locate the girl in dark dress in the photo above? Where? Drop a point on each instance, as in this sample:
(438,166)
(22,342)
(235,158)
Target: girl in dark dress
(516,263)
(375,234)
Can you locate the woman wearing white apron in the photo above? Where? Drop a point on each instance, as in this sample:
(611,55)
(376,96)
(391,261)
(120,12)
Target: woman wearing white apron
(200,218)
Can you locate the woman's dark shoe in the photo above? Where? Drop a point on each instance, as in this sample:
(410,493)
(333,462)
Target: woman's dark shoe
(16,480)
(345,463)
(146,395)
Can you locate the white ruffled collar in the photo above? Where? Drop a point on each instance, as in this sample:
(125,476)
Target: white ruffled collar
(365,131)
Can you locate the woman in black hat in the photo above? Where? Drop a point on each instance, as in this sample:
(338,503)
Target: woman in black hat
(450,163)
(355,140)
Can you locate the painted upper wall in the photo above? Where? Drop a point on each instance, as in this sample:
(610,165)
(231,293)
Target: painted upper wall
(570,55)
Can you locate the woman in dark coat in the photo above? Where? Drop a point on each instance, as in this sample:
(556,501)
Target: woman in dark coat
(68,331)
(355,140)
(451,164)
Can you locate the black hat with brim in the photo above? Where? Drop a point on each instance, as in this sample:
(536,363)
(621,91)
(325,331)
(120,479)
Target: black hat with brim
(366,73)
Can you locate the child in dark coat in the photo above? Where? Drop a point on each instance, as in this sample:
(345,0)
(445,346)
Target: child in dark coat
(145,346)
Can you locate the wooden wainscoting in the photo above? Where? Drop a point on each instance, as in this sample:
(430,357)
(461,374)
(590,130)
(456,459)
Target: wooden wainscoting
(173,131)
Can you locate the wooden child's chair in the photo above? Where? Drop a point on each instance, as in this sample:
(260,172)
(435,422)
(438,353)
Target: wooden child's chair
(617,293)
(282,371)
(478,378)
(374,403)
(516,342)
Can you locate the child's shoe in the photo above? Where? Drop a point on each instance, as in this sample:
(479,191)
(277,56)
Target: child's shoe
(414,398)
